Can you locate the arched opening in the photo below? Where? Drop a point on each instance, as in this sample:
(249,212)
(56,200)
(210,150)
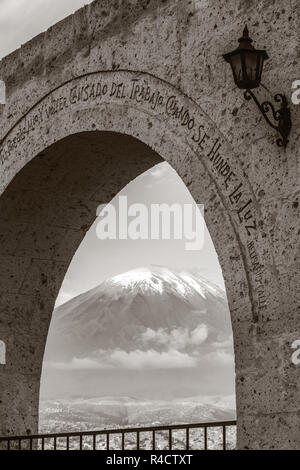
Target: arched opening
(46,210)
(146,339)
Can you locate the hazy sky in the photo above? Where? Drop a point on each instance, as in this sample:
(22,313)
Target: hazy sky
(96,259)
(20,20)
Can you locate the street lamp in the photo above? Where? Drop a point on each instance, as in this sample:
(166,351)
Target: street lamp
(247,66)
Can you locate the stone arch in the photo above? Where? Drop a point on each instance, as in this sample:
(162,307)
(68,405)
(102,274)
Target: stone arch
(77,148)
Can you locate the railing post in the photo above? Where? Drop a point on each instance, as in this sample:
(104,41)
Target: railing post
(170,439)
(187,436)
(205,438)
(224,437)
(153,440)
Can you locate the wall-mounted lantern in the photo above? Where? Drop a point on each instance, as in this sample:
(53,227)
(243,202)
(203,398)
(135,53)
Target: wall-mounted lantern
(247,65)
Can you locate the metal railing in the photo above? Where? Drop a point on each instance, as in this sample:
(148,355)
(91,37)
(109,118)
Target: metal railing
(200,436)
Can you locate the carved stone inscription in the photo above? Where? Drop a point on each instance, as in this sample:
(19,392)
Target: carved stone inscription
(155,98)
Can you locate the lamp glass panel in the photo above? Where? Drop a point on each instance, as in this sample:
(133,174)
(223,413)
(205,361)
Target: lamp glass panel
(236,64)
(260,67)
(251,62)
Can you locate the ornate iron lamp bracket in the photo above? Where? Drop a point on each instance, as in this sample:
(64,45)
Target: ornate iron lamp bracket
(281,116)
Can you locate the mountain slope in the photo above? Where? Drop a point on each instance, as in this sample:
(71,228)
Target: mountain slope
(151,333)
(115,313)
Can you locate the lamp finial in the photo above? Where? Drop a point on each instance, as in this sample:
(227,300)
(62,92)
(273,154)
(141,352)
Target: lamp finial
(245,41)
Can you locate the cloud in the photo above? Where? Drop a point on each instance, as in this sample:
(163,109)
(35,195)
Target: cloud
(177,338)
(219,357)
(152,359)
(164,348)
(224,343)
(137,360)
(159,170)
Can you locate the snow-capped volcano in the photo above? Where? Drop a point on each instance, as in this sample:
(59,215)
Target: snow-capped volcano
(159,279)
(120,312)
(141,330)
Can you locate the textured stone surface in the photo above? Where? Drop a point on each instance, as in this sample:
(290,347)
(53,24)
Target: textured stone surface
(75,131)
